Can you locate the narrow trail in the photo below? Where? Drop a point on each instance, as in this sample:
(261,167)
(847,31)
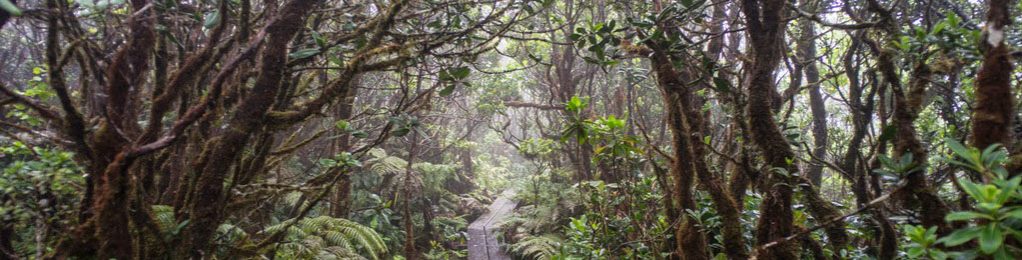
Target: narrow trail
(482,234)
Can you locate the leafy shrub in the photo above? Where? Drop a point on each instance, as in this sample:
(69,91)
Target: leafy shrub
(995,219)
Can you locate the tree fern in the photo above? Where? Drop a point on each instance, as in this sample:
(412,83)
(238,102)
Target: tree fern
(164,217)
(383,163)
(537,247)
(323,236)
(320,237)
(232,235)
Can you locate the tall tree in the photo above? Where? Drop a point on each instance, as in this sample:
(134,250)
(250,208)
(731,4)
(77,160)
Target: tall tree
(995,103)
(807,59)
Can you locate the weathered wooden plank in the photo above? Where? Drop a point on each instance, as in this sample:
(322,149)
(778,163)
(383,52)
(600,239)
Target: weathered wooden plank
(482,242)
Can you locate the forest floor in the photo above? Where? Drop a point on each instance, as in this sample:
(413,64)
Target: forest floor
(482,234)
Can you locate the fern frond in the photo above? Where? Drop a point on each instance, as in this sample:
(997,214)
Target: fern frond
(537,247)
(231,234)
(165,218)
(311,237)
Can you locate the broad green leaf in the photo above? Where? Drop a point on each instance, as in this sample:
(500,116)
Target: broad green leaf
(939,27)
(966,215)
(327,162)
(360,134)
(916,252)
(303,53)
(12,9)
(971,188)
(460,73)
(888,133)
(343,125)
(1003,255)
(320,41)
(1015,214)
(961,151)
(990,239)
(401,131)
(447,91)
(960,236)
(211,20)
(573,37)
(931,232)
(1007,189)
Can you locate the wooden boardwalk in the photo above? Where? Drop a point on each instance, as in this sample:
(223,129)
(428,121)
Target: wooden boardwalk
(482,234)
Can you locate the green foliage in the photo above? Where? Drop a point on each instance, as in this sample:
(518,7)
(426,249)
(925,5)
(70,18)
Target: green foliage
(585,237)
(374,192)
(561,216)
(604,40)
(922,243)
(39,192)
(455,74)
(595,217)
(10,8)
(211,19)
(452,232)
(538,247)
(453,77)
(346,128)
(451,228)
(438,251)
(989,162)
(37,88)
(341,160)
(230,236)
(536,147)
(303,53)
(545,201)
(600,230)
(577,129)
(319,237)
(381,163)
(599,40)
(897,169)
(995,218)
(607,134)
(613,144)
(404,124)
(31,172)
(167,222)
(947,36)
(99,5)
(327,237)
(576,105)
(434,177)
